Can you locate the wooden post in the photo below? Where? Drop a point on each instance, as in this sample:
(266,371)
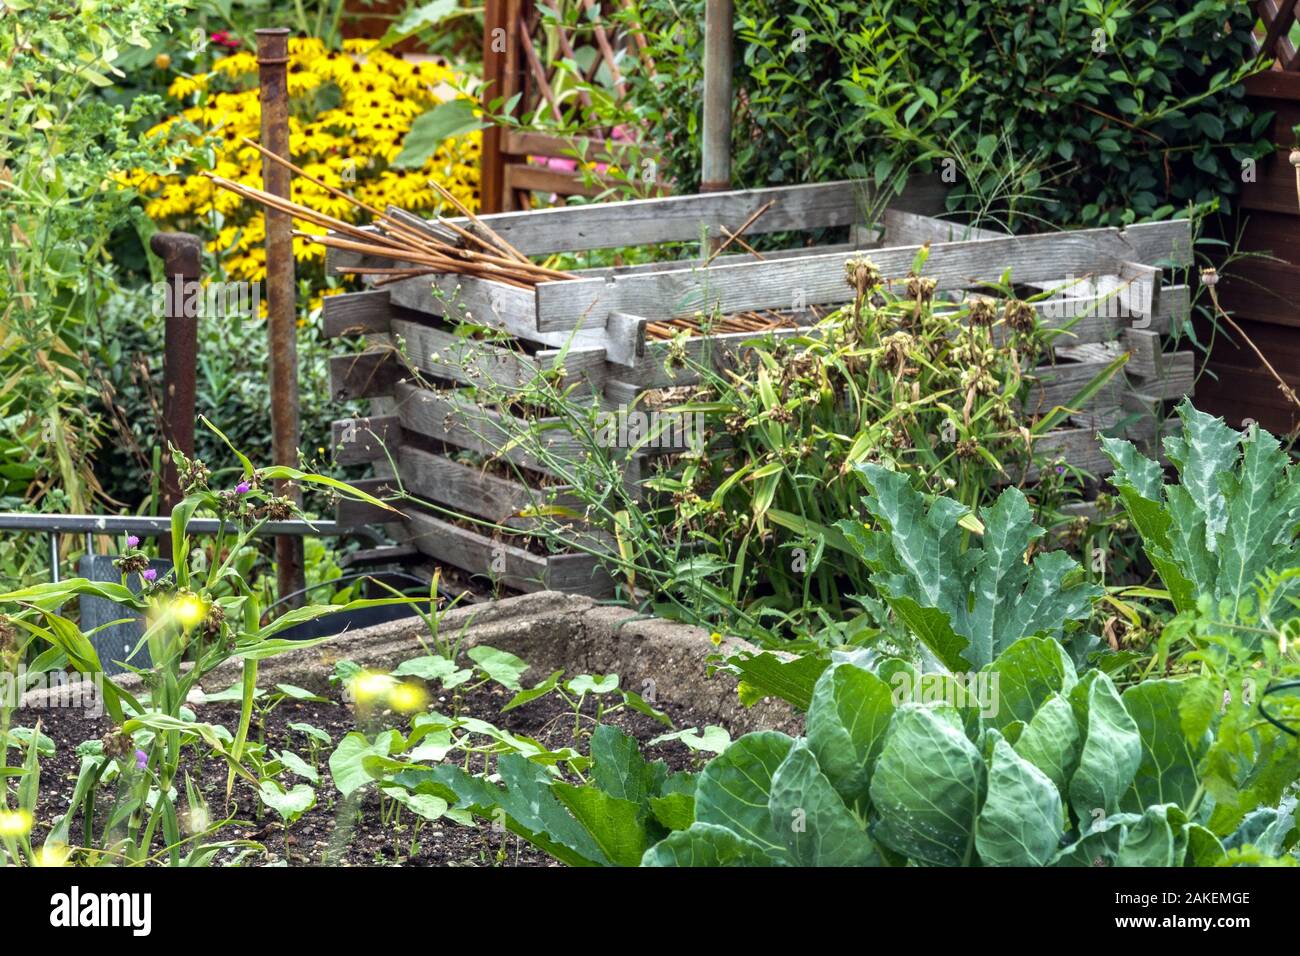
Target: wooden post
(281,298)
(491,159)
(180,253)
(715,166)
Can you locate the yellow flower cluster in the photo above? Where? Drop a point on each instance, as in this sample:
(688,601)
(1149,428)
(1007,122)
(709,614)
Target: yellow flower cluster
(349,112)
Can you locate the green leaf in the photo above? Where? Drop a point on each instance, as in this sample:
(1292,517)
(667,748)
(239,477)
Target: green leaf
(847,720)
(767,675)
(289,805)
(347,761)
(1050,741)
(818,829)
(706,844)
(620,771)
(448,119)
(424,805)
(614,823)
(1025,675)
(674,811)
(967,606)
(297,765)
(501,666)
(927,789)
(1168,771)
(1111,751)
(1022,821)
(734,789)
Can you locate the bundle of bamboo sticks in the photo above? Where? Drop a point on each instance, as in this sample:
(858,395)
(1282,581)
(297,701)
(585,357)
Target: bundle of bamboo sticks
(478,250)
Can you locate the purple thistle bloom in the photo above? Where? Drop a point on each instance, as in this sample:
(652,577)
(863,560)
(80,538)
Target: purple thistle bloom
(242,488)
(141,760)
(1060,469)
(132,541)
(149,574)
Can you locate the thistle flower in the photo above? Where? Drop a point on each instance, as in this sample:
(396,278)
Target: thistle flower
(132,541)
(149,574)
(242,488)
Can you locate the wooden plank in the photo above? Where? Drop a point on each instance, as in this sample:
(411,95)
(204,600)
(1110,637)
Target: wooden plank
(819,280)
(904,228)
(358,440)
(1278,84)
(446,355)
(456,420)
(355,313)
(488,303)
(512,566)
(529,143)
(1174,377)
(541,179)
(1274,187)
(469,490)
(365,374)
(351,512)
(727,258)
(675,218)
(1059,384)
(668,364)
(1265,290)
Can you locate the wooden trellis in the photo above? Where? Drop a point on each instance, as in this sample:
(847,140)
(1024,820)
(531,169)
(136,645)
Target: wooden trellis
(521,48)
(439,437)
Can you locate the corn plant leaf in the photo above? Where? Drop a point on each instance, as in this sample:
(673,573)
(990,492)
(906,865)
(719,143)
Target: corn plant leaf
(968,605)
(927,788)
(818,829)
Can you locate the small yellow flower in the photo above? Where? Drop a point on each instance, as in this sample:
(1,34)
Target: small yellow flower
(716,638)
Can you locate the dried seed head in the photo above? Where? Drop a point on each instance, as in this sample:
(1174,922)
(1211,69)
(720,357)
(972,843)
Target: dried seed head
(215,619)
(1295,158)
(118,744)
(968,448)
(1019,315)
(861,274)
(982,310)
(920,288)
(894,350)
(1209,277)
(132,563)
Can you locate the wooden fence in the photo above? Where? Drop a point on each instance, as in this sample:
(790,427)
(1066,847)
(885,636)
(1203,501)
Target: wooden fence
(1263,292)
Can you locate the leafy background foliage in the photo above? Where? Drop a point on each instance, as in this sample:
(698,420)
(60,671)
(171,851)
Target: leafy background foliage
(1085,113)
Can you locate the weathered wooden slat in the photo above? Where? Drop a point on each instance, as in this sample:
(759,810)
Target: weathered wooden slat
(477,362)
(491,304)
(1059,384)
(366,374)
(351,512)
(456,420)
(358,440)
(1174,376)
(470,490)
(512,566)
(355,313)
(675,218)
(819,280)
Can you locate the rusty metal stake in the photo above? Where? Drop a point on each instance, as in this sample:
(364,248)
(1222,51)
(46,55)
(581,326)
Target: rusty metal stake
(272,63)
(180,253)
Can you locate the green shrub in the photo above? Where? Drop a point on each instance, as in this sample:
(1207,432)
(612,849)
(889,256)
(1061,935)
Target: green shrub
(1084,113)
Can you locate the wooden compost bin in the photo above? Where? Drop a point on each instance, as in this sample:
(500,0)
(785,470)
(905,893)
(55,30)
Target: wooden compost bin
(601,317)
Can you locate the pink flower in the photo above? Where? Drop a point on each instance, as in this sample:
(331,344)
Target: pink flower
(132,541)
(222,38)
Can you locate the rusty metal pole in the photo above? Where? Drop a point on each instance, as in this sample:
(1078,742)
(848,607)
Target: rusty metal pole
(180,253)
(715,166)
(272,71)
